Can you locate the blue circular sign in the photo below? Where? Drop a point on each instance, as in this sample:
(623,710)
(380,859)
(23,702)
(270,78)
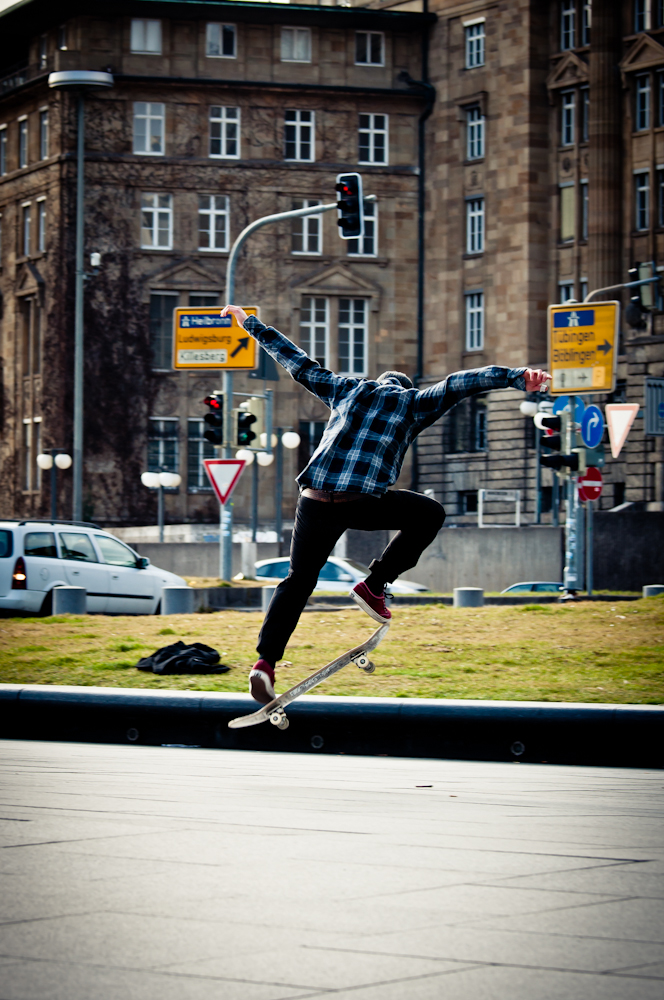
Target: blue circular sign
(592,426)
(562,403)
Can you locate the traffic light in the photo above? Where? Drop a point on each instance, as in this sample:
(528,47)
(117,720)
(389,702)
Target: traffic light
(575,460)
(214,418)
(350,206)
(646,298)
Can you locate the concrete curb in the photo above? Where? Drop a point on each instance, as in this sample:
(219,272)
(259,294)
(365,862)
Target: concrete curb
(534,732)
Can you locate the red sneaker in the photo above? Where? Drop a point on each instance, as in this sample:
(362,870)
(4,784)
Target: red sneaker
(374,606)
(261,682)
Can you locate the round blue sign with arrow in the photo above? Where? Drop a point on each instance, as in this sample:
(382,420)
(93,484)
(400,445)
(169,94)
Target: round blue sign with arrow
(592,426)
(562,403)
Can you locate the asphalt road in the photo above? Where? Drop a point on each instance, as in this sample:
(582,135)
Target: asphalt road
(177,874)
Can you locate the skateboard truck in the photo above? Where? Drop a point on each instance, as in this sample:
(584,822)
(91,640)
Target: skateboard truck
(278,718)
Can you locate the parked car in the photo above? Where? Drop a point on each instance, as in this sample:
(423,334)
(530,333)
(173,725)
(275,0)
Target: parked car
(38,555)
(534,586)
(337,574)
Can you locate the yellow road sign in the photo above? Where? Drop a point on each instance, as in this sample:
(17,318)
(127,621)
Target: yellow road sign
(583,342)
(204,339)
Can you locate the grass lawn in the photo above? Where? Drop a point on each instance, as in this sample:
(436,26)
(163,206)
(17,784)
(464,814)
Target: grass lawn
(587,652)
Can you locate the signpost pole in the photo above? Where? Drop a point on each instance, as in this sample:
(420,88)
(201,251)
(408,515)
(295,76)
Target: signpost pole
(538,480)
(589,547)
(570,578)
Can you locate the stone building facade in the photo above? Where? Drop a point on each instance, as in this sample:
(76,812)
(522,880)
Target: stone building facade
(218,115)
(544,181)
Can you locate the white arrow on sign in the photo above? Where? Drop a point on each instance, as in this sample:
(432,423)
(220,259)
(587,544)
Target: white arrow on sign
(223,473)
(619,419)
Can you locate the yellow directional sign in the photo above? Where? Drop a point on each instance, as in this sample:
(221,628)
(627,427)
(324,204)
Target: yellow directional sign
(583,343)
(202,338)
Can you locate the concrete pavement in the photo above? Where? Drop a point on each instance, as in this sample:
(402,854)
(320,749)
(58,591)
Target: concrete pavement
(156,873)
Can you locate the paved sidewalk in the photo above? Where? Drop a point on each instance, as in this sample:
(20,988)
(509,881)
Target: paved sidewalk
(185,874)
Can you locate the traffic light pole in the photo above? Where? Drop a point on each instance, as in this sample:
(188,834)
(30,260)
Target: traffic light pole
(226,520)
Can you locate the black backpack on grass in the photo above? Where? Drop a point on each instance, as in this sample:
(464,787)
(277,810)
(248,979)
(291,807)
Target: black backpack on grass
(182,659)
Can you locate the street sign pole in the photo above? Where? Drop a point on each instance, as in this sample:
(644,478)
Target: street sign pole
(589,547)
(571,572)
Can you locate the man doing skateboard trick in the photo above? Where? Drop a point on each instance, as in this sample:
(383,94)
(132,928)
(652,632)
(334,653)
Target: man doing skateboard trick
(347,481)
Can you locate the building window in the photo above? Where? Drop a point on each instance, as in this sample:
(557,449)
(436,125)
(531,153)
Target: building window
(373,139)
(468,502)
(565,292)
(43,51)
(474,321)
(299,136)
(584,210)
(568,108)
(475,225)
(145,36)
(62,37)
(220,41)
(213,222)
(315,329)
(203,299)
(474,44)
(642,200)
(296,45)
(0,255)
(163,445)
(197,450)
(43,134)
(567,213)
(660,197)
(480,425)
(3,150)
(584,101)
(41,225)
(162,305)
(26,219)
(369,48)
(27,454)
(586,21)
(659,84)
(23,142)
(307,231)
(149,128)
(642,115)
(367,245)
(156,221)
(583,289)
(642,21)
(224,132)
(568,25)
(353,336)
(474,134)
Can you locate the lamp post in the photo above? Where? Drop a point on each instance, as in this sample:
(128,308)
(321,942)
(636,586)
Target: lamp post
(57,459)
(79,81)
(161,481)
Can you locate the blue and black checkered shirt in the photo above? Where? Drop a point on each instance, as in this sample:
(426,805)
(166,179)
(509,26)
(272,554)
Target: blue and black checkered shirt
(372,423)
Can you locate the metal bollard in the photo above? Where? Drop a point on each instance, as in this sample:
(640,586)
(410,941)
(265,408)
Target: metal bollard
(653,589)
(468,597)
(69,600)
(177,601)
(266,596)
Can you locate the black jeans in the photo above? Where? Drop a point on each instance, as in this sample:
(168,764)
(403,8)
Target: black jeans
(319,526)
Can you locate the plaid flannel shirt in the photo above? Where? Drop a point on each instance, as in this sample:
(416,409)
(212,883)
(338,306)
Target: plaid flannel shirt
(372,423)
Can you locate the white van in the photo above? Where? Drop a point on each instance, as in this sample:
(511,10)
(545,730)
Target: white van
(38,555)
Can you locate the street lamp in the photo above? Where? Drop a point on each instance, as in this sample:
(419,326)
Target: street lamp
(161,481)
(58,459)
(290,440)
(79,81)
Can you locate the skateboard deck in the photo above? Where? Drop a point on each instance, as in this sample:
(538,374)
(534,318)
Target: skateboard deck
(274,711)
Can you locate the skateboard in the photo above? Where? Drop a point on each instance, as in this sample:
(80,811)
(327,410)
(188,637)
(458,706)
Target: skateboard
(274,711)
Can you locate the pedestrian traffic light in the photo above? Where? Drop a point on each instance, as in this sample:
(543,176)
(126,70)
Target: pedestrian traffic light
(350,206)
(214,418)
(560,438)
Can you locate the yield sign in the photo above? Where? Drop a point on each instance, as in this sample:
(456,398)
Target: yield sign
(590,484)
(619,419)
(223,473)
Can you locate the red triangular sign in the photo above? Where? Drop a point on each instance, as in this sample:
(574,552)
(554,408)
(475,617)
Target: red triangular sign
(223,473)
(619,419)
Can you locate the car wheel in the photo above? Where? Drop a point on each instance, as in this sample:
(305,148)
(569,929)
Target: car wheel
(47,605)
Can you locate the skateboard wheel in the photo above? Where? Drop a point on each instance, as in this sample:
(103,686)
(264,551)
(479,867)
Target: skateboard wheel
(362,661)
(284,724)
(370,667)
(276,718)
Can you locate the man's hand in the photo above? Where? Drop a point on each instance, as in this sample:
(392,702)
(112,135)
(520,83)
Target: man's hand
(535,379)
(237,311)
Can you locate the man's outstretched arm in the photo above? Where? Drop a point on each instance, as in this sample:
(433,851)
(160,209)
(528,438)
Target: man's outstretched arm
(319,381)
(431,403)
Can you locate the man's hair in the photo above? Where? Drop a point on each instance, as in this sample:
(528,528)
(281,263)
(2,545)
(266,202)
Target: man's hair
(399,377)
